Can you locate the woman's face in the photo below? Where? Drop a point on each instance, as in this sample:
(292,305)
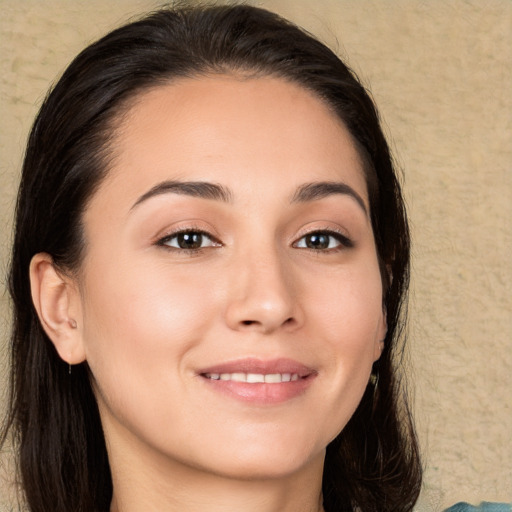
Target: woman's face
(231,294)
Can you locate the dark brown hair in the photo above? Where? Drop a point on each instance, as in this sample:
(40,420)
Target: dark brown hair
(373,464)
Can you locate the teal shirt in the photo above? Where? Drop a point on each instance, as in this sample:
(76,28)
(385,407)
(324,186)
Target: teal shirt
(483,507)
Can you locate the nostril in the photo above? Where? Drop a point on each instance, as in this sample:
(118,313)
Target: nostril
(288,321)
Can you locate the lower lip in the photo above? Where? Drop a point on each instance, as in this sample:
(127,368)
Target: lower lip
(261,393)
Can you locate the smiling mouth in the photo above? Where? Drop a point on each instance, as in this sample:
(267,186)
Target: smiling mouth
(254,378)
(260,382)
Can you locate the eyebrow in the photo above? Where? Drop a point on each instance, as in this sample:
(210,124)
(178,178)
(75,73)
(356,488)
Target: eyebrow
(201,189)
(206,190)
(319,190)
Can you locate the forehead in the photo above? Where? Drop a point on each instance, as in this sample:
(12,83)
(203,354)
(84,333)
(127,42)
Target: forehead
(252,133)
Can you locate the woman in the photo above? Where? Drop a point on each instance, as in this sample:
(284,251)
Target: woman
(209,268)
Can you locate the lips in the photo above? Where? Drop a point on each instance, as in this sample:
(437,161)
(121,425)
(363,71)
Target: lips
(261,382)
(258,366)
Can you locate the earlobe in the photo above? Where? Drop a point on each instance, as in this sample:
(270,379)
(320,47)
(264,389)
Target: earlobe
(377,352)
(57,302)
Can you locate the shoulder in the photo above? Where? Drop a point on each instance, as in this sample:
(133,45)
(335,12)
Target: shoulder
(483,507)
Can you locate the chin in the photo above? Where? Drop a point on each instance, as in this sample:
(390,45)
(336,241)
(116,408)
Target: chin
(266,458)
(268,468)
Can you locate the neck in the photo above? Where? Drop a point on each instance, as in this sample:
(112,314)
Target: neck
(254,496)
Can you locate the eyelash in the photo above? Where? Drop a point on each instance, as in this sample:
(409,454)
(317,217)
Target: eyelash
(343,241)
(163,242)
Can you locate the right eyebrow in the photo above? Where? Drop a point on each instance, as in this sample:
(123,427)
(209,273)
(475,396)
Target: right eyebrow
(202,189)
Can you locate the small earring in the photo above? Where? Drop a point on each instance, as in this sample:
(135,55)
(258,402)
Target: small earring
(72,323)
(69,371)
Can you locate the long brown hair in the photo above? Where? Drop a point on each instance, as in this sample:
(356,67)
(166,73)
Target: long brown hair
(373,464)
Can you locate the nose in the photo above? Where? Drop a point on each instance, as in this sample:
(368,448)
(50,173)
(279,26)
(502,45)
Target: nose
(262,295)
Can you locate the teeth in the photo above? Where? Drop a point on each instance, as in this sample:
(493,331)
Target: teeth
(254,378)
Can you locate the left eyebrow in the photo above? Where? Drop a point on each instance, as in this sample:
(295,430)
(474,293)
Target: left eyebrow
(319,190)
(202,189)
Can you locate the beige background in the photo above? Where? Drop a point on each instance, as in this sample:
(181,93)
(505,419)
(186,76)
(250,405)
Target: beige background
(441,74)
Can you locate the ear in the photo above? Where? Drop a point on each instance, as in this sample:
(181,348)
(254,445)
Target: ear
(58,305)
(382,330)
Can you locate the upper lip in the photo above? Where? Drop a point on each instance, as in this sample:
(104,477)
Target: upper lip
(259,366)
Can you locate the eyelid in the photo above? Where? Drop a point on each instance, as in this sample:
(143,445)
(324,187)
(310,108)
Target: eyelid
(344,240)
(182,226)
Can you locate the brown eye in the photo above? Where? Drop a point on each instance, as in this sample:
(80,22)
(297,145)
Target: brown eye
(188,240)
(317,241)
(323,241)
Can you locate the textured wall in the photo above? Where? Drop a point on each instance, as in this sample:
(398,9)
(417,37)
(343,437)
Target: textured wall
(441,73)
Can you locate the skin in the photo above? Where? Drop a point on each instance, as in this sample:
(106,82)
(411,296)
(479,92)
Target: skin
(147,316)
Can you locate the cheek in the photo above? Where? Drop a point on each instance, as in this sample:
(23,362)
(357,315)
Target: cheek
(142,323)
(349,313)
(348,304)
